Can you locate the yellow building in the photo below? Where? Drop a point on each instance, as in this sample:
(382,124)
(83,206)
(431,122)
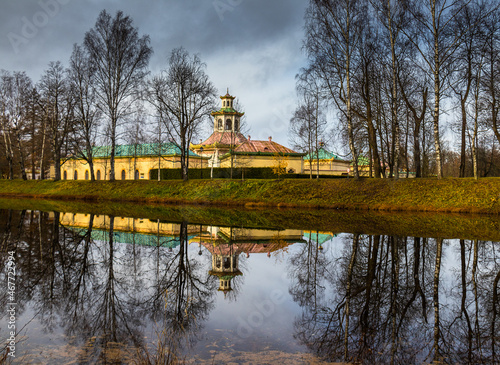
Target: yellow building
(132,162)
(227,146)
(329,163)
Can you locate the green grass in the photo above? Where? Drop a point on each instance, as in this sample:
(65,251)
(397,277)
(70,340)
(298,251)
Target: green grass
(415,224)
(446,195)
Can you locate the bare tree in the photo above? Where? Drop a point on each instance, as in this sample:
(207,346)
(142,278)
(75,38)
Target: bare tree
(391,15)
(183,97)
(33,128)
(333,33)
(437,47)
(87,115)
(57,104)
(491,78)
(5,86)
(119,59)
(15,96)
(308,124)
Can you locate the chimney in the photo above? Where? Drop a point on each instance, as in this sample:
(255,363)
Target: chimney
(270,138)
(248,138)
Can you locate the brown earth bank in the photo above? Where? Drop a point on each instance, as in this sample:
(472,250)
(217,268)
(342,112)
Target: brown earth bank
(425,195)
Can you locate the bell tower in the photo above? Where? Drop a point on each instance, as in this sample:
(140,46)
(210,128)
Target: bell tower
(225,266)
(227,119)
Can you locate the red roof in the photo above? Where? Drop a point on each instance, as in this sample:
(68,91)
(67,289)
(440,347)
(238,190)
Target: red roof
(226,138)
(262,146)
(248,248)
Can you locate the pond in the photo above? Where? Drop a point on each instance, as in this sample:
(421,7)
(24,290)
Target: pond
(219,286)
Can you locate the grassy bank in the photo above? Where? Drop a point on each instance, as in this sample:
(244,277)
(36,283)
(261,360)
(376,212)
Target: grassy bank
(416,224)
(447,195)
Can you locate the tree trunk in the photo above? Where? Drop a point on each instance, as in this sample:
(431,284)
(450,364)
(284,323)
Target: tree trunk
(42,154)
(113,146)
(492,88)
(437,94)
(350,128)
(437,270)
(394,115)
(8,152)
(350,270)
(21,158)
(57,165)
(372,135)
(462,139)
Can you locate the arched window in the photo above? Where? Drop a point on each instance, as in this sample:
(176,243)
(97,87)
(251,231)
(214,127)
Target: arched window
(136,176)
(228,124)
(86,174)
(65,175)
(224,103)
(98,177)
(236,125)
(75,176)
(123,174)
(219,124)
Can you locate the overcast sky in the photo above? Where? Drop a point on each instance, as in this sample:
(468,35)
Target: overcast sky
(252,47)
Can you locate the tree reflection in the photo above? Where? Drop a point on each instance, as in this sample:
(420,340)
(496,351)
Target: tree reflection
(364,299)
(184,298)
(379,311)
(100,293)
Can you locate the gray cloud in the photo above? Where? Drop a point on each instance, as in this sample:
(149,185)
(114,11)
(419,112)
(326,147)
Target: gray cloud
(252,46)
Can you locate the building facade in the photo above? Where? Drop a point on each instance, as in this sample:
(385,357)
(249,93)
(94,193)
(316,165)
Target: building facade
(226,147)
(132,162)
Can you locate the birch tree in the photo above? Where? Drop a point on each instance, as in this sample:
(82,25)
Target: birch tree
(119,58)
(87,114)
(308,124)
(333,34)
(15,91)
(57,104)
(437,46)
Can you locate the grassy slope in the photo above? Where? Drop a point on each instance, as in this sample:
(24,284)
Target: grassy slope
(444,225)
(447,195)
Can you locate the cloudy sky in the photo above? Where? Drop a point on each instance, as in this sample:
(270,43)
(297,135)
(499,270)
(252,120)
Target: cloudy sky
(252,47)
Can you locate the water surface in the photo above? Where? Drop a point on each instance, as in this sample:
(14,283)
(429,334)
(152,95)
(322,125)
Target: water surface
(95,288)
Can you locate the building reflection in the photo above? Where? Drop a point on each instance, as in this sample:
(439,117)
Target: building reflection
(226,244)
(100,283)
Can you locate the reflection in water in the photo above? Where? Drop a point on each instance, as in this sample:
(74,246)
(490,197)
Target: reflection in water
(392,302)
(103,289)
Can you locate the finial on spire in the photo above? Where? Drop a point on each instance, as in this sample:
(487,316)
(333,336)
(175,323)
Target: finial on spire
(227,91)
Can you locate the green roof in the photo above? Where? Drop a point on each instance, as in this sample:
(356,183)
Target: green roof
(323,155)
(227,111)
(132,237)
(140,150)
(319,237)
